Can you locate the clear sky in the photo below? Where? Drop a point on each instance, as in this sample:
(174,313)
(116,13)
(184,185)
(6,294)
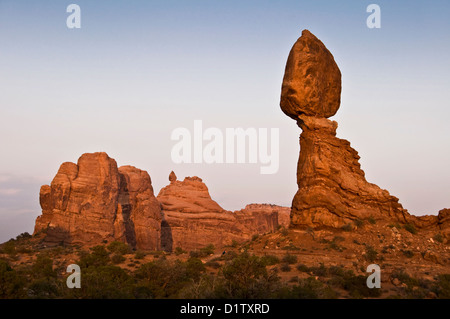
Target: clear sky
(136,70)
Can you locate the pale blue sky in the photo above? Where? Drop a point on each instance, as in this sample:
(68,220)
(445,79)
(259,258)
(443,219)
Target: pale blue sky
(138,69)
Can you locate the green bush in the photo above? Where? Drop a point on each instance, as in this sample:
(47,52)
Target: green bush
(117,259)
(25,235)
(320,271)
(347,227)
(270,260)
(10,247)
(179,251)
(439,238)
(11,284)
(285,267)
(194,268)
(97,258)
(208,250)
(411,228)
(164,279)
(43,267)
(213,264)
(308,288)
(104,282)
(119,248)
(289,259)
(203,252)
(246,277)
(139,254)
(408,253)
(44,288)
(358,223)
(371,254)
(303,268)
(443,286)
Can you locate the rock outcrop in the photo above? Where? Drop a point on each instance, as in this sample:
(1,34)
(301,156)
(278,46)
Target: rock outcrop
(94,202)
(332,189)
(284,213)
(191,219)
(312,80)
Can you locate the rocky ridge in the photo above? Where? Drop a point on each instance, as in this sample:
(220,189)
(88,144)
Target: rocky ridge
(94,202)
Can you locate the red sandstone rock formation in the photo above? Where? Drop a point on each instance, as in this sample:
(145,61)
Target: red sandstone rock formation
(332,187)
(94,201)
(191,219)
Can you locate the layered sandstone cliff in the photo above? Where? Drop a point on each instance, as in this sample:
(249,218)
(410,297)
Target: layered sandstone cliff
(94,201)
(191,219)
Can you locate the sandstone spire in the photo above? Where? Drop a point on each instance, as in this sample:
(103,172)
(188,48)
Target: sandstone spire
(332,189)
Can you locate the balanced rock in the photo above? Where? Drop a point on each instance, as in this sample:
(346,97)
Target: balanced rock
(94,201)
(312,80)
(332,189)
(192,219)
(172,177)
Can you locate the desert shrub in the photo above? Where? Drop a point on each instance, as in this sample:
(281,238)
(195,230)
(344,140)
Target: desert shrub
(291,246)
(302,268)
(213,264)
(25,235)
(11,284)
(285,267)
(320,271)
(289,259)
(179,251)
(284,231)
(443,286)
(195,254)
(97,258)
(308,288)
(411,228)
(194,268)
(164,279)
(372,220)
(347,227)
(234,243)
(43,267)
(229,255)
(439,238)
(117,259)
(336,271)
(358,223)
(246,277)
(119,248)
(104,282)
(371,254)
(139,254)
(408,253)
(270,260)
(208,250)
(403,277)
(203,252)
(255,237)
(44,288)
(10,247)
